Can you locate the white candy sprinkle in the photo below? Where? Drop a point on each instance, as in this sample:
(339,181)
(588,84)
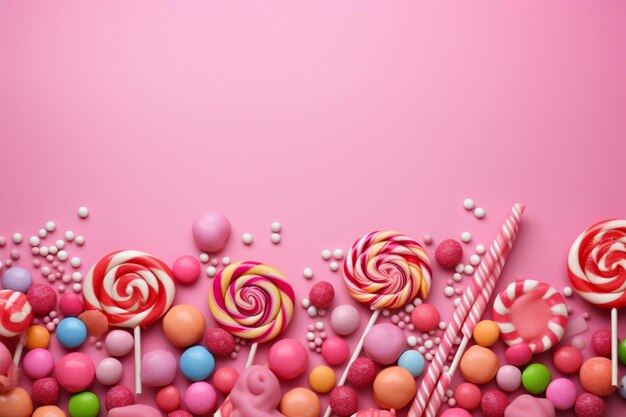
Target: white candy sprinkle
(42,233)
(338,254)
(386,312)
(448,291)
(53,250)
(247,238)
(80,241)
(69,235)
(83,212)
(469,270)
(428,357)
(308,273)
(466,237)
(451,402)
(428,239)
(457,277)
(437,340)
(479,212)
(66,279)
(442,325)
(75,262)
(34,241)
(276,227)
(319,326)
(43,251)
(76,287)
(204,258)
(409,308)
(310,336)
(211,271)
(421,349)
(62,255)
(456,302)
(417,302)
(225,261)
(334,266)
(474,259)
(411,341)
(275,238)
(17,238)
(568,292)
(311,311)
(480,249)
(77,277)
(59,244)
(51,226)
(459,268)
(326,254)
(468,203)
(429,344)
(306,303)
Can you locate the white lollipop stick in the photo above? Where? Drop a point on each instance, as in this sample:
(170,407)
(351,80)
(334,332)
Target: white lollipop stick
(18,350)
(614,346)
(137,332)
(251,355)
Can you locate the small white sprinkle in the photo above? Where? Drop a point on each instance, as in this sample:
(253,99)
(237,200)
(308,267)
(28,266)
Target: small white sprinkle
(429,344)
(479,212)
(428,357)
(75,261)
(338,254)
(421,349)
(319,326)
(456,302)
(442,325)
(459,268)
(308,273)
(310,336)
(474,259)
(53,250)
(334,266)
(326,254)
(225,261)
(83,212)
(34,241)
(411,341)
(204,258)
(42,233)
(466,237)
(437,340)
(275,238)
(311,311)
(417,301)
(276,227)
(43,251)
(76,287)
(306,303)
(51,226)
(77,277)
(568,292)
(247,238)
(457,277)
(428,239)
(386,312)
(211,271)
(62,255)
(480,249)
(448,291)
(468,203)
(449,393)
(59,244)
(409,308)
(80,241)
(469,270)
(17,238)
(451,402)
(66,278)
(69,235)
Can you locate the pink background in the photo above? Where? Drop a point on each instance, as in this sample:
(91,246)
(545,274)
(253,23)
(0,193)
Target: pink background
(334,118)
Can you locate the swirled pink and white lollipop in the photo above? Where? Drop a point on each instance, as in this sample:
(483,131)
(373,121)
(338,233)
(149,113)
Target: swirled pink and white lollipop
(16,313)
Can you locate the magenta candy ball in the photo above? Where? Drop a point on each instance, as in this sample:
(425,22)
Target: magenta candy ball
(455,412)
(200,398)
(75,372)
(335,351)
(509,378)
(6,359)
(158,368)
(345,319)
(561,393)
(210,231)
(119,343)
(109,371)
(71,305)
(519,354)
(186,269)
(38,363)
(288,359)
(384,343)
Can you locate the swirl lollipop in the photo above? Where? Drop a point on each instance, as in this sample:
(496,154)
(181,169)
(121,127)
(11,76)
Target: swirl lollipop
(384,269)
(16,315)
(133,290)
(597,270)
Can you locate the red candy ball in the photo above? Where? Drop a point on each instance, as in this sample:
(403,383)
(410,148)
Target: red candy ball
(71,305)
(493,403)
(335,351)
(589,405)
(343,401)
(601,342)
(362,372)
(519,354)
(186,269)
(45,391)
(467,396)
(119,396)
(567,359)
(42,298)
(180,413)
(219,342)
(449,253)
(322,295)
(425,317)
(224,379)
(168,398)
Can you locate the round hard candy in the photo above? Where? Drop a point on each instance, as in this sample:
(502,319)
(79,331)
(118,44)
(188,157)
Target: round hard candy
(601,342)
(621,352)
(345,319)
(321,295)
(486,333)
(16,403)
(595,376)
(42,298)
(288,359)
(36,337)
(493,403)
(109,371)
(384,343)
(71,305)
(479,365)
(449,253)
(343,401)
(300,402)
(219,342)
(45,391)
(361,372)
(186,269)
(455,412)
(183,325)
(38,363)
(75,372)
(335,351)
(425,317)
(412,361)
(467,395)
(168,398)
(119,396)
(509,378)
(561,393)
(536,378)
(322,379)
(519,354)
(394,387)
(567,359)
(158,368)
(196,364)
(49,411)
(17,279)
(119,343)
(589,405)
(210,231)
(224,379)
(71,332)
(84,404)
(200,398)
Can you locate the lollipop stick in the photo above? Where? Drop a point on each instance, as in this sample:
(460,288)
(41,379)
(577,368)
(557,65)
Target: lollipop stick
(251,355)
(614,346)
(137,332)
(356,353)
(18,351)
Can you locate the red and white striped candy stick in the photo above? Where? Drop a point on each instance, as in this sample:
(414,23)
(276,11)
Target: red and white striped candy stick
(471,303)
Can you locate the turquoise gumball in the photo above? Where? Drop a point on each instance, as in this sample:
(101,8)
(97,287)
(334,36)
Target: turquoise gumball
(197,363)
(412,361)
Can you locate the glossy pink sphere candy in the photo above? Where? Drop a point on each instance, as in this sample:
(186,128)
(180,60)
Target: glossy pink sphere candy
(38,363)
(345,319)
(186,269)
(158,368)
(384,343)
(335,351)
(75,372)
(561,393)
(288,359)
(119,343)
(519,354)
(425,317)
(455,412)
(200,398)
(109,371)
(210,231)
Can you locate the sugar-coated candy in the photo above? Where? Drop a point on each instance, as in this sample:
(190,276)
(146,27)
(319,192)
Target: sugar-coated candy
(486,333)
(42,298)
(16,403)
(536,378)
(394,387)
(183,325)
(519,354)
(168,398)
(109,371)
(17,279)
(75,372)
(71,332)
(71,305)
(45,391)
(196,364)
(119,396)
(509,378)
(601,342)
(561,393)
(526,405)
(589,405)
(412,361)
(288,359)
(38,363)
(200,398)
(449,253)
(567,359)
(345,319)
(361,372)
(384,343)
(48,411)
(467,395)
(344,401)
(158,368)
(322,379)
(595,376)
(136,410)
(36,337)
(84,404)
(219,342)
(335,351)
(210,231)
(479,365)
(425,317)
(455,412)
(300,402)
(493,403)
(322,295)
(224,379)
(119,343)
(186,269)
(95,322)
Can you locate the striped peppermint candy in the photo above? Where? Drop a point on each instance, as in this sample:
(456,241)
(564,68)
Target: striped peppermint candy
(540,290)
(16,313)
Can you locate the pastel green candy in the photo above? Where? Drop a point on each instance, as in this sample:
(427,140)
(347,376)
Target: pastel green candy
(621,352)
(84,404)
(536,378)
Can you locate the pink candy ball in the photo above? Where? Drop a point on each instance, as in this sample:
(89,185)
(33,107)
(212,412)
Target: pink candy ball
(384,343)
(158,368)
(425,317)
(519,354)
(219,342)
(288,359)
(75,372)
(467,395)
(561,393)
(493,403)
(109,371)
(200,398)
(38,363)
(322,295)
(119,343)
(449,253)
(42,298)
(344,401)
(210,231)
(71,305)
(455,412)
(509,378)
(567,359)
(186,269)
(601,342)
(45,391)
(589,405)
(335,351)
(119,396)
(224,379)
(345,319)
(362,372)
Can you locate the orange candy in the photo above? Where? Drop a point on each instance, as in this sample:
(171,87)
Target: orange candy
(479,365)
(394,387)
(49,411)
(486,332)
(595,376)
(300,402)
(95,321)
(183,325)
(322,379)
(16,403)
(37,337)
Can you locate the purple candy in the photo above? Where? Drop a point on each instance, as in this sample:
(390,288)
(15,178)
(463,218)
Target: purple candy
(17,279)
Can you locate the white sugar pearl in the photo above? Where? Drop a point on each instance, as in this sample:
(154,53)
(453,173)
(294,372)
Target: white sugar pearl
(459,268)
(34,241)
(429,344)
(43,251)
(17,238)
(428,357)
(80,241)
(75,262)
(225,261)
(211,271)
(306,303)
(51,226)
(466,237)
(568,292)
(409,308)
(42,233)
(386,312)
(451,402)
(417,301)
(326,254)
(479,212)
(456,302)
(77,276)
(474,260)
(421,349)
(442,325)
(449,393)
(468,203)
(338,254)
(469,269)
(204,258)
(457,277)
(311,311)
(83,212)
(308,273)
(319,326)
(480,249)
(428,239)
(334,266)
(437,340)
(411,341)
(310,336)
(62,255)
(59,244)
(66,279)
(275,238)
(53,250)
(276,227)
(76,287)
(247,238)
(448,291)
(69,235)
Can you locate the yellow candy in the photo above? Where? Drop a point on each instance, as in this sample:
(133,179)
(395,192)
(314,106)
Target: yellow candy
(322,379)
(37,337)
(486,333)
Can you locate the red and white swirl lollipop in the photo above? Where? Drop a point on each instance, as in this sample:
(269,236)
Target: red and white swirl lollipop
(132,289)
(597,271)
(16,315)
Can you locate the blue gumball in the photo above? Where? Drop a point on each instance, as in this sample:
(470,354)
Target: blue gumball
(71,332)
(412,361)
(197,363)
